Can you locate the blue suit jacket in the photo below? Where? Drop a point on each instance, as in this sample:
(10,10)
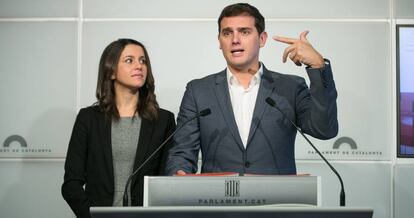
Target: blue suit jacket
(270,145)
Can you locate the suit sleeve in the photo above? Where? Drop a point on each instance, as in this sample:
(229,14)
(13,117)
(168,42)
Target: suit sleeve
(183,154)
(317,109)
(75,168)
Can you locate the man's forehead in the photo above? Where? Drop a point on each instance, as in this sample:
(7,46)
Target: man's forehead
(237,22)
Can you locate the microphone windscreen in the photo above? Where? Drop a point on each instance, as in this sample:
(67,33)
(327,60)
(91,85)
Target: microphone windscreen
(270,101)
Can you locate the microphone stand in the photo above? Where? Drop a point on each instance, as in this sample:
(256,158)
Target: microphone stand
(272,103)
(202,113)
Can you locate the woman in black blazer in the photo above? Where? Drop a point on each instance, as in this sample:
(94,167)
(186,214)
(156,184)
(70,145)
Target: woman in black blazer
(114,136)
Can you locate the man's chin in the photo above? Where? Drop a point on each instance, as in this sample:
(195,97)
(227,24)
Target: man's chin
(236,63)
(237,66)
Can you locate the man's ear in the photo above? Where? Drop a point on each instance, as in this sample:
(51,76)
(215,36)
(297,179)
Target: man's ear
(218,38)
(263,38)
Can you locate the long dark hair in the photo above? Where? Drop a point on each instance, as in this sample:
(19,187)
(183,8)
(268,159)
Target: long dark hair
(243,9)
(147,106)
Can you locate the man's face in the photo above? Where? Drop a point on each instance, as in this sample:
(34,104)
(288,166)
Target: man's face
(240,42)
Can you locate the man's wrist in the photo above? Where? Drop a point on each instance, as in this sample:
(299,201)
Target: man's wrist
(320,65)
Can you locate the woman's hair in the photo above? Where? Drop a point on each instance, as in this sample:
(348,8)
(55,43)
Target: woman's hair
(147,106)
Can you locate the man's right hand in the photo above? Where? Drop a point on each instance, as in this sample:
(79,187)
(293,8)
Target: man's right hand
(180,173)
(300,51)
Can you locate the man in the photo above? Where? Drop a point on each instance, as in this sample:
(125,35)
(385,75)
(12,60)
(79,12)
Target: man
(243,133)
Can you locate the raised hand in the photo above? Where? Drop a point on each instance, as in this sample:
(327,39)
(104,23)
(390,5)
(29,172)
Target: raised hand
(300,51)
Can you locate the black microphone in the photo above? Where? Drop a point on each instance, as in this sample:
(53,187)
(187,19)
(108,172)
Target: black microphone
(272,103)
(202,113)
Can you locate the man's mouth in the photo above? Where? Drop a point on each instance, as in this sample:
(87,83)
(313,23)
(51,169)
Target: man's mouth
(237,51)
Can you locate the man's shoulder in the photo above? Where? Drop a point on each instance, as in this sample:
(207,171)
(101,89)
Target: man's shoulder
(209,79)
(282,77)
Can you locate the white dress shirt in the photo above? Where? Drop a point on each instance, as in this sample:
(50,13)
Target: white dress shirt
(243,101)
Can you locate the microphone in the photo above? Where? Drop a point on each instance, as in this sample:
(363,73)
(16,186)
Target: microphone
(272,103)
(202,113)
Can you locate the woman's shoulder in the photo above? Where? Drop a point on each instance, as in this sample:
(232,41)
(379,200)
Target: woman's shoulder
(93,109)
(91,116)
(90,112)
(165,113)
(166,118)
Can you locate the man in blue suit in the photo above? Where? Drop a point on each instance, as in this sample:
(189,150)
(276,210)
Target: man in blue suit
(243,133)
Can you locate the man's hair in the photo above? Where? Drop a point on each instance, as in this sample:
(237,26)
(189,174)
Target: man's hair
(246,10)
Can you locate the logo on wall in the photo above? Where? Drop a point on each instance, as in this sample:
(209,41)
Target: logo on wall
(15,138)
(232,188)
(16,144)
(346,146)
(345,141)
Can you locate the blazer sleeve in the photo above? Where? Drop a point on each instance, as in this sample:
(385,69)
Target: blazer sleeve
(183,154)
(317,109)
(75,167)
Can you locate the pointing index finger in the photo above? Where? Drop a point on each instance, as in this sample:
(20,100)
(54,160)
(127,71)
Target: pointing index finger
(284,39)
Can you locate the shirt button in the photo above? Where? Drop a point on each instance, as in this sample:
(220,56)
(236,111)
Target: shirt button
(247,164)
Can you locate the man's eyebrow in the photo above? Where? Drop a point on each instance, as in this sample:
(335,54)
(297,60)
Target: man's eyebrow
(244,28)
(226,29)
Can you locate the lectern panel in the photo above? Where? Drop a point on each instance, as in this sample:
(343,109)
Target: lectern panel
(230,212)
(231,190)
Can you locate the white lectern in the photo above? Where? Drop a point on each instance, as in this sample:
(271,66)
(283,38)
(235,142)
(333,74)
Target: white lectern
(231,190)
(232,196)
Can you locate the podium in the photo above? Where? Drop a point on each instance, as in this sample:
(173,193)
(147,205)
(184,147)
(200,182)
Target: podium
(230,212)
(232,196)
(231,190)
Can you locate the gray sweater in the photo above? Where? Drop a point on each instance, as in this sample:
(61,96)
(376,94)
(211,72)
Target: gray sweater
(125,135)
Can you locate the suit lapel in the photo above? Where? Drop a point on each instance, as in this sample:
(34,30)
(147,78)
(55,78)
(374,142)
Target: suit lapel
(223,97)
(144,141)
(265,90)
(107,145)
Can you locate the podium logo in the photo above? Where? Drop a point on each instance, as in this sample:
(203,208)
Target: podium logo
(232,188)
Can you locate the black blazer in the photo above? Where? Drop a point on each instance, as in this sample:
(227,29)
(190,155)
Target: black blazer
(89,159)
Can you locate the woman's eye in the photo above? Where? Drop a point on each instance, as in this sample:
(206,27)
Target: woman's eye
(142,61)
(128,60)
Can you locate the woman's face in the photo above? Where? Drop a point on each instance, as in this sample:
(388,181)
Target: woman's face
(131,71)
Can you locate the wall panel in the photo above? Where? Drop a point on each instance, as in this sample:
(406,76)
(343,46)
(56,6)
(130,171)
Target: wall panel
(38,88)
(38,8)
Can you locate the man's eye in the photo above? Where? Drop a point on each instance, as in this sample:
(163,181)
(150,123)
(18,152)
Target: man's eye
(226,33)
(245,32)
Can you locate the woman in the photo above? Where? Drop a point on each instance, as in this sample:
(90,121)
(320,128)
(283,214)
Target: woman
(117,133)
